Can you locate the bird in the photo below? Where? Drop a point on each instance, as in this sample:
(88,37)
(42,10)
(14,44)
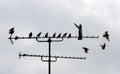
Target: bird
(106,35)
(69,36)
(59,35)
(54,35)
(103,46)
(85,49)
(16,37)
(38,35)
(46,35)
(11,31)
(79,31)
(64,35)
(19,55)
(30,34)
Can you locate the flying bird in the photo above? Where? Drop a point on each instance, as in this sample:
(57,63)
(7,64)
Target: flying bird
(59,35)
(64,35)
(103,46)
(11,31)
(106,35)
(38,35)
(30,34)
(85,49)
(54,35)
(69,36)
(46,35)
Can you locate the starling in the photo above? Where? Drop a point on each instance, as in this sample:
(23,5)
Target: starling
(106,35)
(59,35)
(46,35)
(64,35)
(103,46)
(38,35)
(69,36)
(11,31)
(85,49)
(30,34)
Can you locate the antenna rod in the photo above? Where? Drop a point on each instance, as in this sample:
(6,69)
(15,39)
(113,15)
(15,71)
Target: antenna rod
(49,61)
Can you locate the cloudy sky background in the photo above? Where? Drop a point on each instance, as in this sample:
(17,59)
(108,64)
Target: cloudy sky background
(51,16)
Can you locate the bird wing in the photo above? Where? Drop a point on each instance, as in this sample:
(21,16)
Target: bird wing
(11,31)
(59,35)
(76,25)
(107,37)
(46,35)
(38,34)
(104,45)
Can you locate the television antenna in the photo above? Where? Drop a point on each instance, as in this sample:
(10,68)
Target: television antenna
(49,40)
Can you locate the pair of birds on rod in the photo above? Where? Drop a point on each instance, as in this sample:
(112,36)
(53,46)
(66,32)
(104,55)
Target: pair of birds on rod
(103,46)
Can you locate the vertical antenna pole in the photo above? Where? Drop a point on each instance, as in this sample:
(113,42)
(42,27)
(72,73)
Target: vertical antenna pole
(49,61)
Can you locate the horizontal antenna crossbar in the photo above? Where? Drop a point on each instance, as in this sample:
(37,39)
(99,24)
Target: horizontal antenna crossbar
(64,57)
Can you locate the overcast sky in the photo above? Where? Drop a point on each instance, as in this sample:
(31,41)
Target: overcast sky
(96,17)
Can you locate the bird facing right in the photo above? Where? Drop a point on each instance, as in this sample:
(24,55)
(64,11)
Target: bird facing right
(85,49)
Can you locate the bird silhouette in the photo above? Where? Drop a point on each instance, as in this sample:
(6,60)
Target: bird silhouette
(85,49)
(30,34)
(54,35)
(38,35)
(103,46)
(64,35)
(19,55)
(106,35)
(79,31)
(16,37)
(69,36)
(11,31)
(46,35)
(59,35)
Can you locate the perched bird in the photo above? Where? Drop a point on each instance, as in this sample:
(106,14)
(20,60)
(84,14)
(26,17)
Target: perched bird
(16,37)
(64,35)
(69,36)
(46,35)
(103,46)
(11,31)
(85,49)
(54,35)
(80,35)
(30,34)
(19,55)
(38,35)
(59,35)
(106,35)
